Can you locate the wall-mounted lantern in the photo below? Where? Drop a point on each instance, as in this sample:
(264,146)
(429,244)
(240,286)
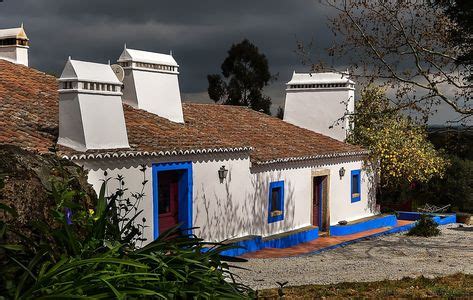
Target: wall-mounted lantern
(341,172)
(222,173)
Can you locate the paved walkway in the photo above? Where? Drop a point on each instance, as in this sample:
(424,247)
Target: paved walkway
(391,256)
(317,244)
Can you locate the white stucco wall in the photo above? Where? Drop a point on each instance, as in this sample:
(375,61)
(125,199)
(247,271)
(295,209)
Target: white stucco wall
(15,54)
(297,198)
(22,55)
(91,121)
(319,109)
(341,207)
(155,92)
(298,193)
(220,210)
(239,206)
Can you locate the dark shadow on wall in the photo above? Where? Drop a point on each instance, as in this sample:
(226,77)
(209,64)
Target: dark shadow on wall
(234,216)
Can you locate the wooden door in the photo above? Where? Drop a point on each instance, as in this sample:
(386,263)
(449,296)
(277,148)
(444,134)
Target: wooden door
(317,201)
(168,199)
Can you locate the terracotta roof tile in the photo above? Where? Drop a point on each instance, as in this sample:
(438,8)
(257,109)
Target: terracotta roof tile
(29,118)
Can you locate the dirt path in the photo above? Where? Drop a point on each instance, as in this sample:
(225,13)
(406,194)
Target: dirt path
(387,257)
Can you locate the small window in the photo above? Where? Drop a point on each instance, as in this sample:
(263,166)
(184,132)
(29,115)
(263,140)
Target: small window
(67,85)
(355,185)
(276,202)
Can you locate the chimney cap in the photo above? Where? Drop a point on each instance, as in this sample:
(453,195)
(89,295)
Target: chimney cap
(147,57)
(88,71)
(16,33)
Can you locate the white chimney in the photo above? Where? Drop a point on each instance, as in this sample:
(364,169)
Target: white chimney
(14,45)
(90,107)
(319,102)
(151,83)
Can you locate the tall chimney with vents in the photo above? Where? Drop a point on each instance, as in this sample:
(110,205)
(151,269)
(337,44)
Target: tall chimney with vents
(151,83)
(90,107)
(319,102)
(14,45)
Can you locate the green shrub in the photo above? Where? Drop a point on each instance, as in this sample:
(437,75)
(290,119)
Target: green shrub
(425,227)
(93,253)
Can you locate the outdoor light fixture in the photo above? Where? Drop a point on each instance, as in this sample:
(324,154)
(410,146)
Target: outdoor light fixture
(222,173)
(341,172)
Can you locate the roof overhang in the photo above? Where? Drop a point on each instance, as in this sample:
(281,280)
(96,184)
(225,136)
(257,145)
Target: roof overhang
(312,157)
(130,154)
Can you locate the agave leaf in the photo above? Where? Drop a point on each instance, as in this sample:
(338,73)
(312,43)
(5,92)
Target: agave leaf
(119,295)
(101,201)
(13,247)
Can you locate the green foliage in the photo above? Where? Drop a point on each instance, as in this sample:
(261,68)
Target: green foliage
(425,227)
(246,72)
(93,253)
(454,141)
(399,148)
(455,188)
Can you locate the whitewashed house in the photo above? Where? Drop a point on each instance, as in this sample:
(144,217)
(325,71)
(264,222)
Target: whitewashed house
(234,173)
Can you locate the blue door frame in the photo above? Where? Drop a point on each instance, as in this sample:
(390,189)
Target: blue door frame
(185,193)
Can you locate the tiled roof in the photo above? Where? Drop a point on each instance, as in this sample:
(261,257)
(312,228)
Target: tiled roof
(28,107)
(29,118)
(271,138)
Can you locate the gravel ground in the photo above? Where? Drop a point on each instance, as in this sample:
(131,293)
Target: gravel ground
(387,257)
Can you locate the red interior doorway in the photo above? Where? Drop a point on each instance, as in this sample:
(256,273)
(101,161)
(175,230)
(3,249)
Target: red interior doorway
(168,199)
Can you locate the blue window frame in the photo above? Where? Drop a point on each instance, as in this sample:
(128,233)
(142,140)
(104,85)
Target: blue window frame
(355,193)
(185,186)
(276,201)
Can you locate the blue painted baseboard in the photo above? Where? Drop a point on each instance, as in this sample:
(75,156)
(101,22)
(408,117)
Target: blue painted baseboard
(293,239)
(245,246)
(258,243)
(440,219)
(385,221)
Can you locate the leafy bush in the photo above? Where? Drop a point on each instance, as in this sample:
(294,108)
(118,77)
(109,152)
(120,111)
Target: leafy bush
(93,253)
(456,188)
(425,227)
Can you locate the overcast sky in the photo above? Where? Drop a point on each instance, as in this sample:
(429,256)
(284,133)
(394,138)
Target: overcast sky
(199,33)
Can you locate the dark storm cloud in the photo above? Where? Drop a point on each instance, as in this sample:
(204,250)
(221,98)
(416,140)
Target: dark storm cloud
(198,32)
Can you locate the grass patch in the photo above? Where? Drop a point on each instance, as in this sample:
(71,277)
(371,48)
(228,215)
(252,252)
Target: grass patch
(425,227)
(452,286)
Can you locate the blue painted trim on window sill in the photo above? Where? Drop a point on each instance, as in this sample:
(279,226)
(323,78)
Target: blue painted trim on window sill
(275,185)
(185,193)
(358,198)
(257,243)
(340,230)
